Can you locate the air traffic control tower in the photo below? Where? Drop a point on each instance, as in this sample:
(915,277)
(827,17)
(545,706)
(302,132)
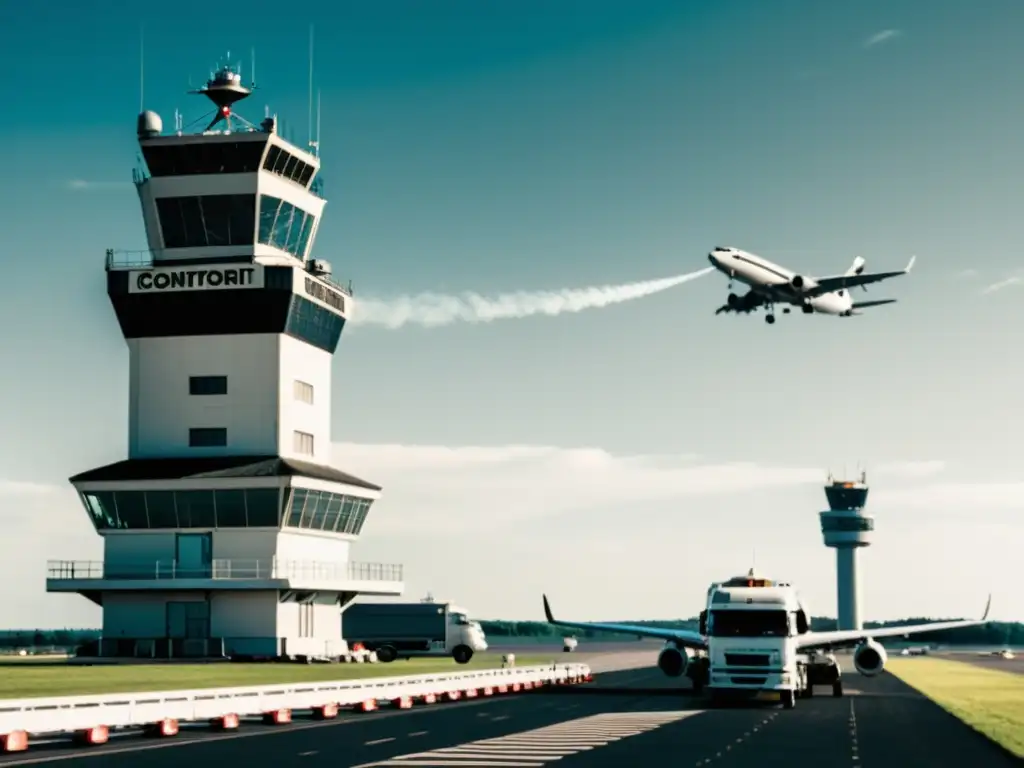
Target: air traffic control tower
(846,528)
(226,530)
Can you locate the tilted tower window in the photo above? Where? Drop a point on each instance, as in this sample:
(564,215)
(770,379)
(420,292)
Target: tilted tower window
(228,508)
(284,226)
(326,511)
(853,523)
(203,221)
(284,164)
(203,157)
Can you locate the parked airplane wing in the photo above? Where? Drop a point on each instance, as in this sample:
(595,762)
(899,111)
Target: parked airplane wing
(848,637)
(829,284)
(681,636)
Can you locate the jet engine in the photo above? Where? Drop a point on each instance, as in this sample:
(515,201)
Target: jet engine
(869,658)
(672,660)
(797,282)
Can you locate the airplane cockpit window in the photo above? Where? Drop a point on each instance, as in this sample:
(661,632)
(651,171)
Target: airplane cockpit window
(720,249)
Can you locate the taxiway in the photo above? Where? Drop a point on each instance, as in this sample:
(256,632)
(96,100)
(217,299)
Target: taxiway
(633,716)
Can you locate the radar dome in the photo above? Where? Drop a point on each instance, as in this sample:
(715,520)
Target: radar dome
(149,124)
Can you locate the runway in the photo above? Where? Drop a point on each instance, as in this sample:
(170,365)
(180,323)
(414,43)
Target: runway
(1014,666)
(625,718)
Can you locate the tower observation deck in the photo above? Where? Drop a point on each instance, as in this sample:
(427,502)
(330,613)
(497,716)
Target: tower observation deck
(846,528)
(226,529)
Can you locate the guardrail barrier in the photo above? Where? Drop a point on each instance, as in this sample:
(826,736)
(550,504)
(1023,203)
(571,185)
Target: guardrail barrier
(89,719)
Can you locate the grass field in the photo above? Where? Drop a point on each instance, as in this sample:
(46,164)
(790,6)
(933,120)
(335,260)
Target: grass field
(25,679)
(989,700)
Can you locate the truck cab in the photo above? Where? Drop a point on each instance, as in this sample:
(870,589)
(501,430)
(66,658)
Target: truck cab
(751,624)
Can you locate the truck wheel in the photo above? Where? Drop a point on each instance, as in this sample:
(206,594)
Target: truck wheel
(837,688)
(462,654)
(788,699)
(386,654)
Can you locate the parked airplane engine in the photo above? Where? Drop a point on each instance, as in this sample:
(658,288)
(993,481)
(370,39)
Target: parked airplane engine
(869,658)
(672,660)
(797,282)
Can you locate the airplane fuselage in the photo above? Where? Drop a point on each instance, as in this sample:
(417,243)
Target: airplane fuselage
(776,283)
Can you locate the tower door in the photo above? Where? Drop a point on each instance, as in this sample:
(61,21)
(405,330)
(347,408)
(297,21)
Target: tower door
(194,556)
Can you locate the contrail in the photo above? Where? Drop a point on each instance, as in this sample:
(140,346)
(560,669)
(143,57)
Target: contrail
(431,309)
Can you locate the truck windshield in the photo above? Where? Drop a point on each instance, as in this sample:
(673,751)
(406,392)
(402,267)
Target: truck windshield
(748,624)
(459,618)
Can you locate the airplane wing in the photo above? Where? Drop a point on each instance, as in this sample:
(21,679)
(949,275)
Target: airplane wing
(829,284)
(847,637)
(876,303)
(748,302)
(681,636)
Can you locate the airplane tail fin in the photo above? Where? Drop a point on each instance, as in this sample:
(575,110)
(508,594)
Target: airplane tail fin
(857,267)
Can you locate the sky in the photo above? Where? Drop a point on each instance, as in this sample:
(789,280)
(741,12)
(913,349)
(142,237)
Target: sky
(618,458)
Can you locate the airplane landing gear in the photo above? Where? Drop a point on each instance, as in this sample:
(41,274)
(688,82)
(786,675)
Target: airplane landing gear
(769,318)
(808,309)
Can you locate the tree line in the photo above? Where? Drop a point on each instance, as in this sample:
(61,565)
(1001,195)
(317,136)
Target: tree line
(995,633)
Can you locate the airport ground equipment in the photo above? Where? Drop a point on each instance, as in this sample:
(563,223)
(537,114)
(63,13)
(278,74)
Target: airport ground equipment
(413,630)
(226,531)
(90,719)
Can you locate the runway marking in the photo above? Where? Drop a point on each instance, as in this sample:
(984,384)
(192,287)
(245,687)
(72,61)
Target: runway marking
(308,754)
(855,749)
(379,741)
(143,746)
(739,740)
(419,733)
(535,748)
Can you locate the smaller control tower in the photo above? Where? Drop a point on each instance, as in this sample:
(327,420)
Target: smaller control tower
(846,527)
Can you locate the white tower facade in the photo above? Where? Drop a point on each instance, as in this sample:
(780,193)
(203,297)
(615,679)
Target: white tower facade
(226,530)
(846,527)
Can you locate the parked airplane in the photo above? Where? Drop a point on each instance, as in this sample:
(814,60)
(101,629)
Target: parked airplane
(755,637)
(770,284)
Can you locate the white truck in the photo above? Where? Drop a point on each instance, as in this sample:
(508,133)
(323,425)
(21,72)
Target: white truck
(413,630)
(755,638)
(751,625)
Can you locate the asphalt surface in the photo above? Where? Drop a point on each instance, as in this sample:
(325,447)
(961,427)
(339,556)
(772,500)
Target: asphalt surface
(1015,665)
(635,717)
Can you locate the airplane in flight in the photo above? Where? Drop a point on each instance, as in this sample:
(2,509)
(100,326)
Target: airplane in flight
(770,284)
(755,637)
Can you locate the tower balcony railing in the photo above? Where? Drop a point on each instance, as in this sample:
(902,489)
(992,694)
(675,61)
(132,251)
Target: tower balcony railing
(225,569)
(124,261)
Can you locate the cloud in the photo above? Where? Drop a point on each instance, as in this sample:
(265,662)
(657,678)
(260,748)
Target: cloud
(911,468)
(21,488)
(433,487)
(881,37)
(1001,284)
(82,185)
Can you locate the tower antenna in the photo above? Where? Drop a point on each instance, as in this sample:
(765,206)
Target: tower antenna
(310,140)
(317,147)
(142,67)
(254,66)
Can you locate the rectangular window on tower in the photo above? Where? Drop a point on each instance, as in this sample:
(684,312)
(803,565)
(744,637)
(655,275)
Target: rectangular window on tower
(303,443)
(207,437)
(207,385)
(303,392)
